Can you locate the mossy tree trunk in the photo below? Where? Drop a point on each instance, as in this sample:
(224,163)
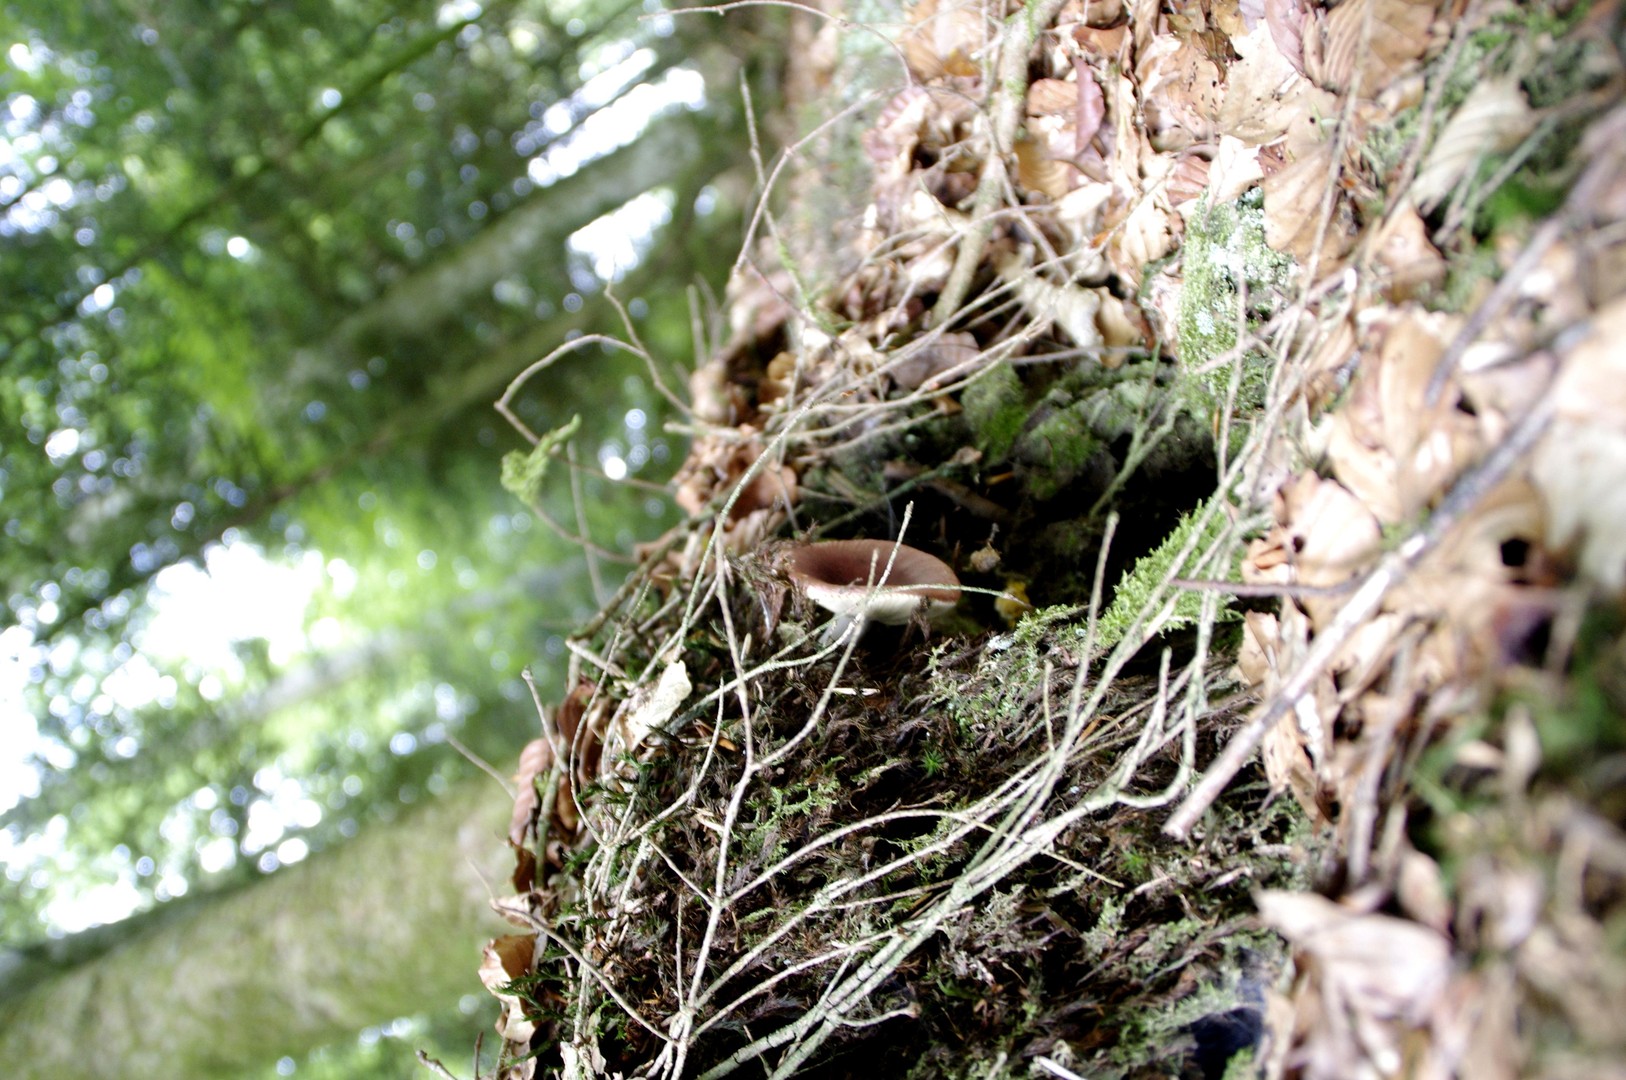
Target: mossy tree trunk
(388,925)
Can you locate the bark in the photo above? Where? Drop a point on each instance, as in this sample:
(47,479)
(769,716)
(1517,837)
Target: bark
(387,925)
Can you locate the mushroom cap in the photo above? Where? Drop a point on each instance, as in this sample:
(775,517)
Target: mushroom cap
(846,577)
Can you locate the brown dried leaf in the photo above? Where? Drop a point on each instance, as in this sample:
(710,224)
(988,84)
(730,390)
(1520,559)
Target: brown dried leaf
(647,708)
(1234,170)
(1122,326)
(1293,211)
(1374,978)
(1092,109)
(1265,98)
(1380,39)
(1324,536)
(1494,116)
(952,352)
(1285,21)
(1071,308)
(1038,171)
(1410,263)
(946,38)
(1391,448)
(503,960)
(1052,97)
(1579,465)
(534,760)
(1104,43)
(1421,890)
(1145,236)
(1179,92)
(1102,13)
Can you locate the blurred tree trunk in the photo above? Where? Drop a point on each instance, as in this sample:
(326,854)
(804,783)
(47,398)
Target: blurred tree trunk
(385,926)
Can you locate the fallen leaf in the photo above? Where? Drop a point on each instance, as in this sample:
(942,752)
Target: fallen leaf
(1579,465)
(1376,39)
(1410,263)
(648,708)
(534,760)
(503,960)
(1495,116)
(1375,979)
(1266,98)
(946,37)
(1293,211)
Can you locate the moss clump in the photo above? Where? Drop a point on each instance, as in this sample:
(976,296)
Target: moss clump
(523,473)
(1056,450)
(1225,253)
(1131,599)
(996,408)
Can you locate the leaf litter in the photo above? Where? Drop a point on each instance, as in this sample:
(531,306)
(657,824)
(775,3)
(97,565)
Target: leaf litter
(1257,365)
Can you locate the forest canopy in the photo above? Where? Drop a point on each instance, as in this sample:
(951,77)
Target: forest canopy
(268,267)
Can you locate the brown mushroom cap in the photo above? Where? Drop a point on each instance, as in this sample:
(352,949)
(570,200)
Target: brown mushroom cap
(850,578)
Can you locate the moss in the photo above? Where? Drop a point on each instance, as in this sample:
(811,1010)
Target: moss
(1056,450)
(1224,253)
(1135,588)
(996,408)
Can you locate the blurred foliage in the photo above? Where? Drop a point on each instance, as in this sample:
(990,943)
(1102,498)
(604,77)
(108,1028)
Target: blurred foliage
(268,267)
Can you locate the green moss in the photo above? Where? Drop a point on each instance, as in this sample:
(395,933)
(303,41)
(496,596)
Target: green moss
(996,408)
(1225,252)
(996,695)
(1056,450)
(1135,588)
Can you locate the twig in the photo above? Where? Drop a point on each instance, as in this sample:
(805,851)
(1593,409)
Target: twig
(434,1066)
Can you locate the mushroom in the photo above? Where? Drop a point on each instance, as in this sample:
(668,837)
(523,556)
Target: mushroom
(871,581)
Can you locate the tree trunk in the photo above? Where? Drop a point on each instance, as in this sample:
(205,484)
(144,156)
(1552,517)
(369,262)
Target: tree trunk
(385,926)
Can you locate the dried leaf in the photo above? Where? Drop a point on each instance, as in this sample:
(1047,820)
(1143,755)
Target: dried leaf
(1038,171)
(955,352)
(1293,211)
(946,38)
(1380,39)
(1579,465)
(1234,170)
(1070,307)
(1285,21)
(1375,979)
(1411,264)
(1052,97)
(1145,236)
(1395,451)
(534,760)
(1494,116)
(1179,92)
(1092,109)
(1266,98)
(503,960)
(1324,536)
(648,708)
